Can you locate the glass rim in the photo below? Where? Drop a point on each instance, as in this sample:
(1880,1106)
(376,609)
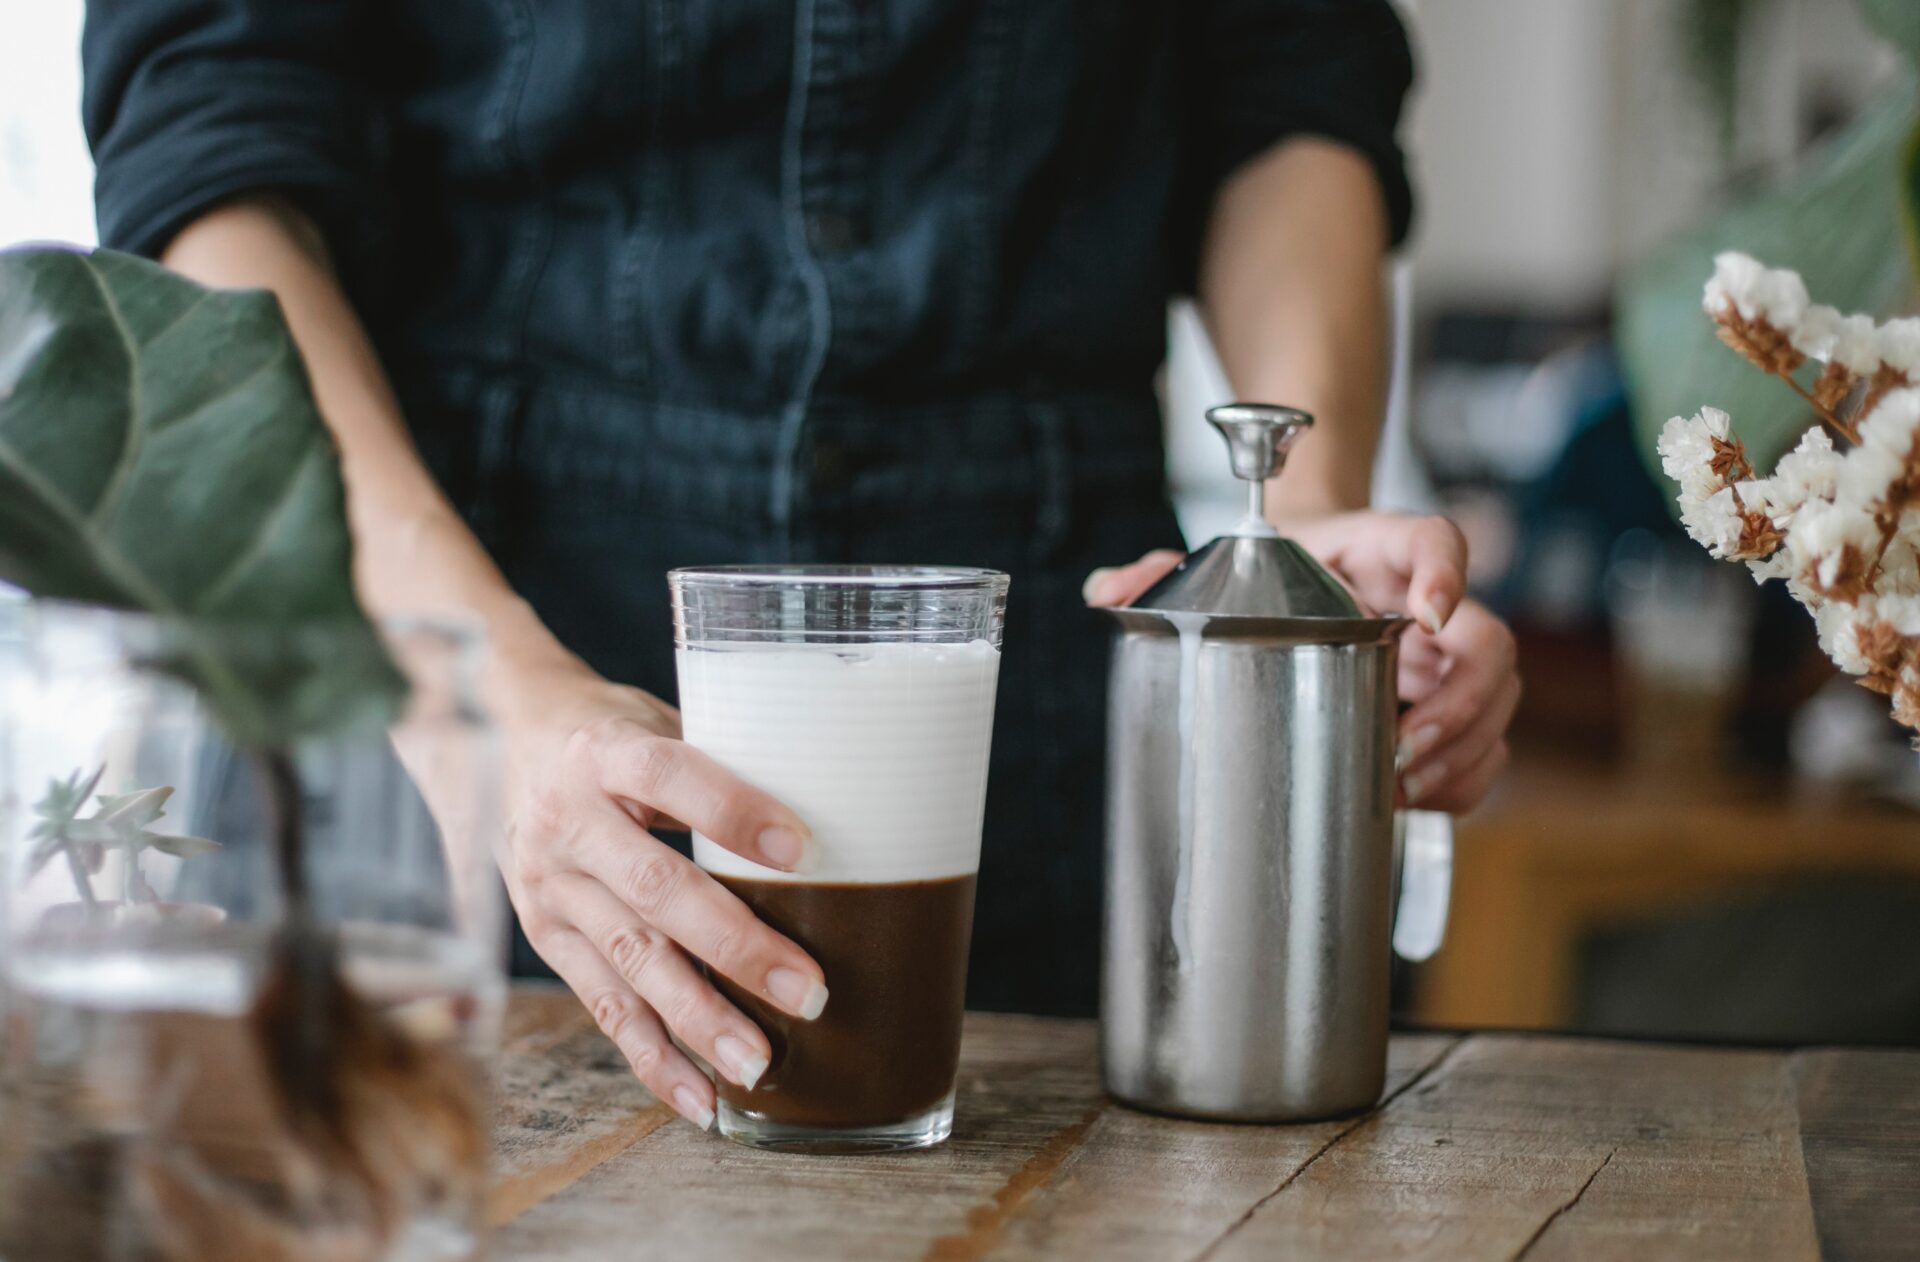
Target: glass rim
(826,575)
(461,631)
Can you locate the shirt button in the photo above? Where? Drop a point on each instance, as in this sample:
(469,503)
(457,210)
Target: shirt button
(832,232)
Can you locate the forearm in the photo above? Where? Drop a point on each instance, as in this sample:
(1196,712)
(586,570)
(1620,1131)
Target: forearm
(1292,287)
(413,553)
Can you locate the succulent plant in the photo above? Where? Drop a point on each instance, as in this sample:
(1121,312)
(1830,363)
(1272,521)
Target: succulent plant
(122,821)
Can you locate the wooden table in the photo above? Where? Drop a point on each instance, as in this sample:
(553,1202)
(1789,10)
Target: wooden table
(1486,1146)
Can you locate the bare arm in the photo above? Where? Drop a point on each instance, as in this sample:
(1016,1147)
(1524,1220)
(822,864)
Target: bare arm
(415,556)
(590,764)
(1291,284)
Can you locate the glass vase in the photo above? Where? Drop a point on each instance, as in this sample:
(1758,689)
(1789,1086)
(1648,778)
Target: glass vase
(187,1071)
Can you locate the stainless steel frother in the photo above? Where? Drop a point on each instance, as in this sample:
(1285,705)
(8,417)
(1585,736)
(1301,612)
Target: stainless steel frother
(1251,836)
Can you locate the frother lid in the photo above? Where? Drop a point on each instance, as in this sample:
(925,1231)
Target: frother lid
(1254,573)
(1248,576)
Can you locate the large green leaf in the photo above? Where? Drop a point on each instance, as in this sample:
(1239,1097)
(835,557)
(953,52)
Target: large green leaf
(1897,22)
(1837,220)
(160,451)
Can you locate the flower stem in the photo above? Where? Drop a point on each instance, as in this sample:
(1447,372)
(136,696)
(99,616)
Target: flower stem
(1833,422)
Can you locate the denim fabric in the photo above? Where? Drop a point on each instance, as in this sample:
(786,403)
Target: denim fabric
(668,283)
(744,207)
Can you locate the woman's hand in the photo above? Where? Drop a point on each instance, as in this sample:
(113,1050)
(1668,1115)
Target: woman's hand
(619,915)
(1457,665)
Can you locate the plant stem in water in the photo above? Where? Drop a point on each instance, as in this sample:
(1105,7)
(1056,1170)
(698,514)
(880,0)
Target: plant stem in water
(81,882)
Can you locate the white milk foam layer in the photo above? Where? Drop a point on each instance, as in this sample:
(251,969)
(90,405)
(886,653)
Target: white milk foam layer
(880,748)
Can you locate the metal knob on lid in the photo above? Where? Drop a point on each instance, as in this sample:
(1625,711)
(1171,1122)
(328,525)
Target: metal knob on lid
(1258,436)
(1251,572)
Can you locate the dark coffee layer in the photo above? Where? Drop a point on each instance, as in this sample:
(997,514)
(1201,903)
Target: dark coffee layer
(888,1044)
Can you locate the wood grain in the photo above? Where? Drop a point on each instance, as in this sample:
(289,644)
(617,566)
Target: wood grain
(987,1224)
(1487,1146)
(1559,1148)
(1860,1138)
(565,1101)
(1023,1082)
(1182,1183)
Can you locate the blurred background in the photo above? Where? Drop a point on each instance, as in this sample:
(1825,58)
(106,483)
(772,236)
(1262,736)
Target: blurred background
(1706,832)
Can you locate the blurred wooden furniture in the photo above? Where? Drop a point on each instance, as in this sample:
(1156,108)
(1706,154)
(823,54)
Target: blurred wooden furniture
(1564,849)
(1486,1146)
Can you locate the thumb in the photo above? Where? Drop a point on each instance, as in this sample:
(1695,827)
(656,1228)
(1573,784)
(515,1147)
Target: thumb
(1106,588)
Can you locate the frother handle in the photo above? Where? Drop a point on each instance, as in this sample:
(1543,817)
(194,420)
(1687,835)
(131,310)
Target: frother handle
(1426,884)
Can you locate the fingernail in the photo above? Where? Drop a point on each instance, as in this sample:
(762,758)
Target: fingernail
(782,846)
(1431,618)
(797,993)
(692,1107)
(1417,784)
(1418,742)
(738,1060)
(1093,580)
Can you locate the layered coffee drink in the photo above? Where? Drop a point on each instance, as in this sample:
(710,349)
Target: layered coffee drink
(877,737)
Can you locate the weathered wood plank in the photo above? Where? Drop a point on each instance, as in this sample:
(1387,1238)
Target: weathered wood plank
(1860,1139)
(1154,1187)
(1549,1148)
(1495,1147)
(1029,1093)
(565,1101)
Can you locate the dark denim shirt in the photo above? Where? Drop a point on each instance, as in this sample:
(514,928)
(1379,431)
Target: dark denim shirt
(845,280)
(740,206)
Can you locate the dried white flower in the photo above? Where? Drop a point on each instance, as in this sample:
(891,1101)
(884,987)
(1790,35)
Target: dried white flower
(1826,334)
(1688,447)
(1894,423)
(1841,529)
(1902,613)
(1866,475)
(1900,564)
(1887,443)
(1852,341)
(1899,347)
(1836,625)
(1798,589)
(1856,345)
(1761,495)
(1817,333)
(1833,544)
(1810,471)
(1756,292)
(1715,522)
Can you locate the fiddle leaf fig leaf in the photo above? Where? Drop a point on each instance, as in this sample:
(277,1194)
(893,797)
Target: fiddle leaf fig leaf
(160,451)
(1897,22)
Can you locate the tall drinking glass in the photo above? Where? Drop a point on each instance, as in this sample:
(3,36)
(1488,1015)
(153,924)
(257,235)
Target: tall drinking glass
(862,697)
